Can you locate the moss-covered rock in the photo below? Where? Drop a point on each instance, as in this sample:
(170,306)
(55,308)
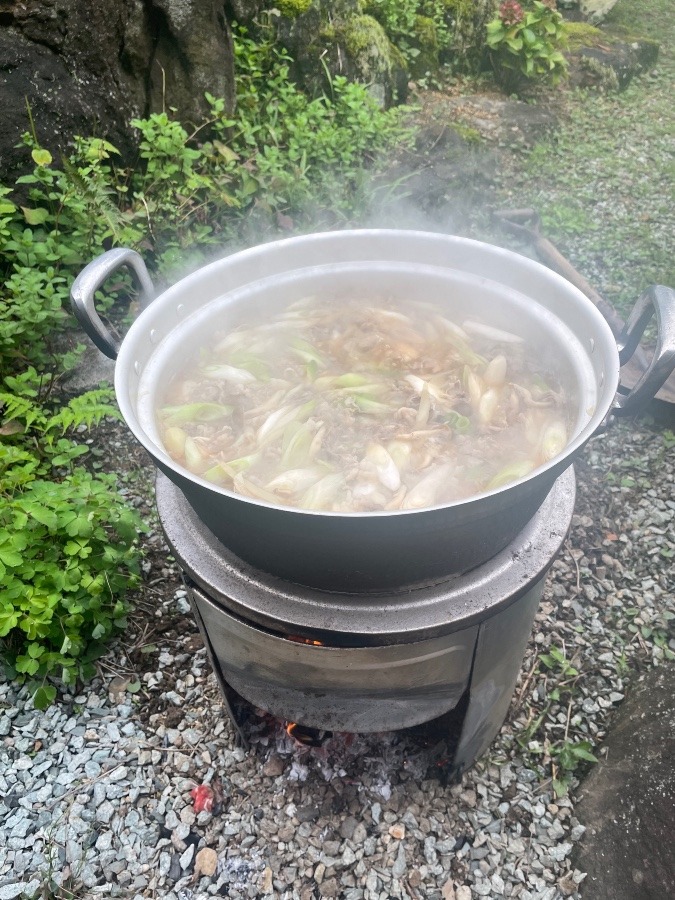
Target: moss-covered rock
(372,57)
(292,8)
(581,34)
(467,20)
(335,37)
(607,60)
(425,42)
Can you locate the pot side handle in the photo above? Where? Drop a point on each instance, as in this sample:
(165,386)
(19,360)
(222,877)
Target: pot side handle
(660,300)
(90,280)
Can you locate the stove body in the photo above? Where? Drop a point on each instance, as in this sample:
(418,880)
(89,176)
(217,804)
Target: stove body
(370,662)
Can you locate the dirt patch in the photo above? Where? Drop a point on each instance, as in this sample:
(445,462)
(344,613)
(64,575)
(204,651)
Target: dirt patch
(628,801)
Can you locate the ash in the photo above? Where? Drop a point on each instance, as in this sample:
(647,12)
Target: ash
(365,760)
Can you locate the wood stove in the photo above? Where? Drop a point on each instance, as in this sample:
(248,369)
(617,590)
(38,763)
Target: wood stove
(370,662)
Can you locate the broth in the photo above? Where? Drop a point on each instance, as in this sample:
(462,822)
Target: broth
(365,404)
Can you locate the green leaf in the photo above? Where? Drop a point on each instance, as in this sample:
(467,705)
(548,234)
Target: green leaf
(41,157)
(10,558)
(42,514)
(98,632)
(27,665)
(584,754)
(37,216)
(8,620)
(44,696)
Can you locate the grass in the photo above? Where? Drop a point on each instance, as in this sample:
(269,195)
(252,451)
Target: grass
(603,183)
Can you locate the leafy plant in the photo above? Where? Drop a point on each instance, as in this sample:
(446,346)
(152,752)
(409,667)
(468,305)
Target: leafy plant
(68,550)
(557,662)
(418,28)
(526,43)
(567,756)
(67,557)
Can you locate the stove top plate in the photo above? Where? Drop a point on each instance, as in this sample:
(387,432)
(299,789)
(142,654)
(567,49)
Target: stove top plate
(378,618)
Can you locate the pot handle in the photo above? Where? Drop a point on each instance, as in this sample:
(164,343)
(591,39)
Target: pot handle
(660,300)
(90,280)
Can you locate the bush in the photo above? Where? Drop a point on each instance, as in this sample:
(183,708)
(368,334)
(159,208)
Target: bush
(68,541)
(67,558)
(526,44)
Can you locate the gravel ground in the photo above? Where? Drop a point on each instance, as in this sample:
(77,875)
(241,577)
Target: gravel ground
(96,792)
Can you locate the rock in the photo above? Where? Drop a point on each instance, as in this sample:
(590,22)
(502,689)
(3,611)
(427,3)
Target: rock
(206,862)
(273,767)
(360,834)
(400,863)
(105,812)
(9,891)
(329,888)
(286,833)
(348,827)
(90,68)
(186,857)
(307,813)
(627,800)
(595,10)
(618,64)
(397,832)
(187,816)
(448,890)
(463,893)
(267,882)
(175,872)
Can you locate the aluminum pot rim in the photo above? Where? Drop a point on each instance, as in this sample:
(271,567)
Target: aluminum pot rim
(547,471)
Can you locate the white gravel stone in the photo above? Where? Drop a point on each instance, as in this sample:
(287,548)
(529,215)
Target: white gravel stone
(9,891)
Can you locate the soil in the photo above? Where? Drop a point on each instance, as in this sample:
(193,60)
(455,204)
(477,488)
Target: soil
(627,802)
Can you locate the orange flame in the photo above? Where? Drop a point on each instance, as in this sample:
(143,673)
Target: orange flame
(297,639)
(302,734)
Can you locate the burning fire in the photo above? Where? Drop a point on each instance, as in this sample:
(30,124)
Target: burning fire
(308,737)
(297,639)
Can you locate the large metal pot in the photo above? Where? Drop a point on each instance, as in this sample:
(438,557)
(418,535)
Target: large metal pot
(380,551)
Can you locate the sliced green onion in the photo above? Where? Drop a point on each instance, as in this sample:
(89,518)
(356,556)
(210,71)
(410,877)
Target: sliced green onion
(495,373)
(380,461)
(230,374)
(194,412)
(459,423)
(371,407)
(332,382)
(306,352)
(553,440)
(322,494)
(296,444)
(252,363)
(174,441)
(274,425)
(225,471)
(295,480)
(512,472)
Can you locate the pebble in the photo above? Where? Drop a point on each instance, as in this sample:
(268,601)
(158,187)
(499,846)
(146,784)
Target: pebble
(105,812)
(363,822)
(206,862)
